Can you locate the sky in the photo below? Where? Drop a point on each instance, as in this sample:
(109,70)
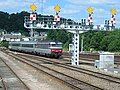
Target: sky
(74,9)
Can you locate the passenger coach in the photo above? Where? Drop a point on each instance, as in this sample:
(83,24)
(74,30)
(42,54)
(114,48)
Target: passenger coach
(46,48)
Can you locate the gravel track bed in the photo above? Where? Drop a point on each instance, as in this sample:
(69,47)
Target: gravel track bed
(2,84)
(43,81)
(86,78)
(101,83)
(10,80)
(35,79)
(62,77)
(67,61)
(92,80)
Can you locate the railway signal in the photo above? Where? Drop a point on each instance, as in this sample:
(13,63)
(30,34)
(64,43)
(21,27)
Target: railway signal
(32,15)
(32,18)
(57,8)
(113,19)
(33,7)
(90,10)
(83,21)
(107,24)
(90,19)
(57,17)
(113,11)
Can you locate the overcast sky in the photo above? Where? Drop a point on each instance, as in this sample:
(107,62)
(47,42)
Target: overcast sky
(75,9)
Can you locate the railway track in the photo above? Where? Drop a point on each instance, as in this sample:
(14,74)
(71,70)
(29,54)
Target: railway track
(91,57)
(5,85)
(71,81)
(77,69)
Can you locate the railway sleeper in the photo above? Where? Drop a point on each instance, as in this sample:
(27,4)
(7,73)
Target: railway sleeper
(1,87)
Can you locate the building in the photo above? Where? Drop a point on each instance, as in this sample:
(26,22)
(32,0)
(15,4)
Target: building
(11,37)
(3,31)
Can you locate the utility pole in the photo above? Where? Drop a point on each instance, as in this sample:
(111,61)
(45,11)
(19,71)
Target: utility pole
(82,43)
(83,23)
(42,7)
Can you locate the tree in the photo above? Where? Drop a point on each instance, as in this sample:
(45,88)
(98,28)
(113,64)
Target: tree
(114,45)
(52,35)
(62,36)
(105,42)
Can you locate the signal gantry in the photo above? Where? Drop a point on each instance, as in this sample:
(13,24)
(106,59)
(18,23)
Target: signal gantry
(73,26)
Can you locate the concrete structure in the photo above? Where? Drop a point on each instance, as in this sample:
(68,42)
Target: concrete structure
(106,60)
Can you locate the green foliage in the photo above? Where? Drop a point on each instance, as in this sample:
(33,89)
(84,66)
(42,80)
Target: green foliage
(102,40)
(52,35)
(114,45)
(97,40)
(4,44)
(65,46)
(13,22)
(60,35)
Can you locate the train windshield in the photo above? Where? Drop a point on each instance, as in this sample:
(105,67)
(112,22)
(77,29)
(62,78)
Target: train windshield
(56,45)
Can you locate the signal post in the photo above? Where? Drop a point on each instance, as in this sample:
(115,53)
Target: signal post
(113,19)
(32,18)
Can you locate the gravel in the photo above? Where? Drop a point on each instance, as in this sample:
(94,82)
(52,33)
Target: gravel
(34,79)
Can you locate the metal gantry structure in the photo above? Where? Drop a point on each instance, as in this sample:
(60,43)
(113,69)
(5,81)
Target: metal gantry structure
(49,22)
(73,26)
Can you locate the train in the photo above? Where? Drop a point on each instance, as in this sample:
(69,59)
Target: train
(49,48)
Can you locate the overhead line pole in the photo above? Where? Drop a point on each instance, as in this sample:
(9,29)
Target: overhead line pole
(42,7)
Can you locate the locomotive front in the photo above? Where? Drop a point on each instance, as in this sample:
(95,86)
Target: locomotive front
(56,49)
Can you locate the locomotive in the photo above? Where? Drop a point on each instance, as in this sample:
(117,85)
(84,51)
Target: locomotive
(48,48)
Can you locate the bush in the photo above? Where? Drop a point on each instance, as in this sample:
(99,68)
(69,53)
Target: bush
(4,44)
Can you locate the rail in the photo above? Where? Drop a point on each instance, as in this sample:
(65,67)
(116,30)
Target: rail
(4,86)
(72,82)
(15,74)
